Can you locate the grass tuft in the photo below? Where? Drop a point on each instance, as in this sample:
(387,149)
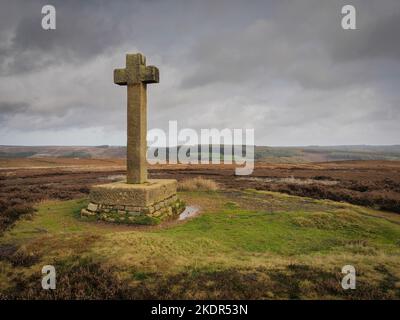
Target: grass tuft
(198,184)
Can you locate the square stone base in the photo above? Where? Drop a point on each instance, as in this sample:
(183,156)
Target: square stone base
(146,203)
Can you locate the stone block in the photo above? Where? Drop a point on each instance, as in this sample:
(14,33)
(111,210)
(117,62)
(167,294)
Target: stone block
(132,208)
(87,213)
(157,213)
(124,194)
(92,207)
(147,203)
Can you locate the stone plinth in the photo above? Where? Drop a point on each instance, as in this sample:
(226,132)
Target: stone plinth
(145,203)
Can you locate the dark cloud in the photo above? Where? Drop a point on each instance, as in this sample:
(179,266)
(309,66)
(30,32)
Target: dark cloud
(84,31)
(305,44)
(376,38)
(285,68)
(9,109)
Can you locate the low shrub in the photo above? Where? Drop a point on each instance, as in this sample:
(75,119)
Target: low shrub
(198,184)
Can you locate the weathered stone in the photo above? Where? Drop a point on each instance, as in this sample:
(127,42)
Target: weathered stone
(157,213)
(169,211)
(136,75)
(87,213)
(138,195)
(132,208)
(92,207)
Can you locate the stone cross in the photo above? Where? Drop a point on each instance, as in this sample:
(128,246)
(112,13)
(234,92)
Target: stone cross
(136,76)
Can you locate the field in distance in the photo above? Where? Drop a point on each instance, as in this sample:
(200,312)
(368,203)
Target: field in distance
(262,153)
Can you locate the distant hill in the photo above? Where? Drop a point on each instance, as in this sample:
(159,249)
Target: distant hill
(324,153)
(262,153)
(100,152)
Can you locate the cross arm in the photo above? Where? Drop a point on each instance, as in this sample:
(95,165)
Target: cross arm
(150,74)
(120,77)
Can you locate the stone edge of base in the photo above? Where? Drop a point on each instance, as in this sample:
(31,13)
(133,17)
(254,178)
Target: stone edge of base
(153,214)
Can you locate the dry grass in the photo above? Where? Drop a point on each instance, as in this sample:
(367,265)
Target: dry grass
(292,180)
(85,279)
(198,184)
(244,245)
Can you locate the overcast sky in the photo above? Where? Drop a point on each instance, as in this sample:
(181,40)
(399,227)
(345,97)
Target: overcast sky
(285,68)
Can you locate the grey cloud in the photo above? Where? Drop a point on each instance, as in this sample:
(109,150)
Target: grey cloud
(7,108)
(10,109)
(285,68)
(302,46)
(375,38)
(84,31)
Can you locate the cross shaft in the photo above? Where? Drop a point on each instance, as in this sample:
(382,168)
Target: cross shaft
(136,76)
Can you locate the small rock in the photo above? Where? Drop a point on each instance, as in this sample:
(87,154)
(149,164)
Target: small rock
(92,207)
(87,213)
